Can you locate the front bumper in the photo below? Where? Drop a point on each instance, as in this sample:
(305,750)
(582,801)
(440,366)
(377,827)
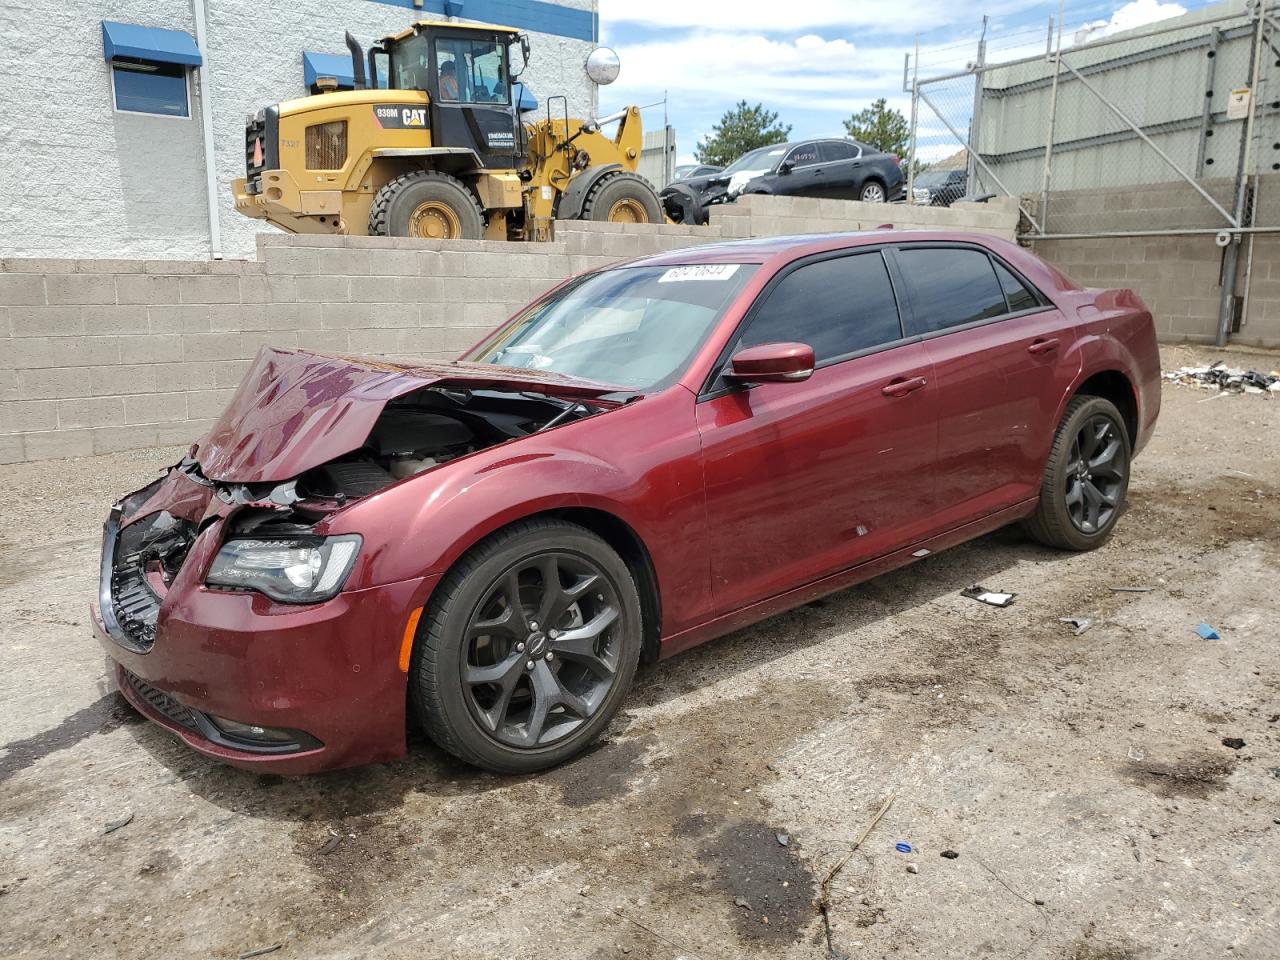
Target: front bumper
(327,672)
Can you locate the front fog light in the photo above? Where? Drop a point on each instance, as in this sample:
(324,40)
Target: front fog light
(292,570)
(251,732)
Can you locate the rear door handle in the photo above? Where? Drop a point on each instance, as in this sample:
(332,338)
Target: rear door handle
(900,388)
(1043,346)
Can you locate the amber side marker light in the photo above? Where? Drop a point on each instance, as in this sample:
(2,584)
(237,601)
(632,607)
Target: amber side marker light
(406,645)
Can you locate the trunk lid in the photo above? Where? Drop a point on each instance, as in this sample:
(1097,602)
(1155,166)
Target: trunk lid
(295,410)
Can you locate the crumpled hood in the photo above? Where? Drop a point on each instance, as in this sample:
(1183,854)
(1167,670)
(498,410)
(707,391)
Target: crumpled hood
(295,409)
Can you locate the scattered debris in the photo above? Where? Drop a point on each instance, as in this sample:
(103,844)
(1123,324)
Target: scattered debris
(742,902)
(330,845)
(993,597)
(1235,743)
(1132,589)
(902,846)
(1080,623)
(922,552)
(115,825)
(1207,632)
(783,838)
(1218,376)
(913,868)
(949,854)
(261,951)
(824,897)
(1038,902)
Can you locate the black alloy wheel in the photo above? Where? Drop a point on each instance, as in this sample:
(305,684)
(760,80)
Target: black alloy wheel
(1096,475)
(527,648)
(1086,477)
(542,652)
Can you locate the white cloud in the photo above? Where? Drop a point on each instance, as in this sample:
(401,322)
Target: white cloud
(1137,13)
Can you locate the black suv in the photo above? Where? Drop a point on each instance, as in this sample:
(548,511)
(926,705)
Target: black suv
(838,169)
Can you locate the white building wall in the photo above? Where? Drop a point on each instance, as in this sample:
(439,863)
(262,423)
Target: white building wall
(78,179)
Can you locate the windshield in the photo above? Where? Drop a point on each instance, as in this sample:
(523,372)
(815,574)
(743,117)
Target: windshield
(634,326)
(757,161)
(932,178)
(470,70)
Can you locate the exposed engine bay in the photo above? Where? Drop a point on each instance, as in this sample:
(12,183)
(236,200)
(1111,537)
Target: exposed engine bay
(425,429)
(413,434)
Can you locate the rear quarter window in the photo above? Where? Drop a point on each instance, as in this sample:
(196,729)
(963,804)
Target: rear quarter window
(950,287)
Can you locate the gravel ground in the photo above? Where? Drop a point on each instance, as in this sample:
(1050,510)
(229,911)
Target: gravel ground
(1083,781)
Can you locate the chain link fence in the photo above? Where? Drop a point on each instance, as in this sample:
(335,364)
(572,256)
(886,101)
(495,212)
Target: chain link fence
(1163,131)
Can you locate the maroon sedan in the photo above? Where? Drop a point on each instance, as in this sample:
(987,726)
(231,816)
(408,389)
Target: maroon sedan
(647,457)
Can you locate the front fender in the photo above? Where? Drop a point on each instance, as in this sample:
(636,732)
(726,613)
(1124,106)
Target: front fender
(571,201)
(640,463)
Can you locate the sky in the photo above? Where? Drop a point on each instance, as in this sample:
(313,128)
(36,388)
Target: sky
(817,62)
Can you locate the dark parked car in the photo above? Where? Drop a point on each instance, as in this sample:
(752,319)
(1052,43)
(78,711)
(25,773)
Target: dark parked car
(838,169)
(686,170)
(647,457)
(939,188)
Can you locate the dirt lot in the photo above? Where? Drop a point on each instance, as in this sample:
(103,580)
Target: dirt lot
(1083,780)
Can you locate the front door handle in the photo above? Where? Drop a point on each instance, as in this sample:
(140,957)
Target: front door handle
(900,388)
(1039,347)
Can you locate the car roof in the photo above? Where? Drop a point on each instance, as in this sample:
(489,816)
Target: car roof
(787,248)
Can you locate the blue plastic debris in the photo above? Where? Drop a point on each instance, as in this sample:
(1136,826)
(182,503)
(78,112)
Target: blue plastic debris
(1207,632)
(902,847)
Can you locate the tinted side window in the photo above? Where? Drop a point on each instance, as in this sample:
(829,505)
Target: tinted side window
(1015,291)
(836,306)
(804,155)
(950,286)
(836,150)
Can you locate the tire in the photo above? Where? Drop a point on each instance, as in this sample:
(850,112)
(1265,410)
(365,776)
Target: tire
(622,198)
(1069,477)
(472,689)
(426,204)
(872,192)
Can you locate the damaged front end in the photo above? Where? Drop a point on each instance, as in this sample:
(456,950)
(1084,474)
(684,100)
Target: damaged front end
(268,526)
(223,593)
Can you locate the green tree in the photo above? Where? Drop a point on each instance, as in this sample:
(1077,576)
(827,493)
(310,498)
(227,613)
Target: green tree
(881,127)
(741,129)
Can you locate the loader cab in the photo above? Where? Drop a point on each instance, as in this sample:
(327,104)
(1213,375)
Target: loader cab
(466,72)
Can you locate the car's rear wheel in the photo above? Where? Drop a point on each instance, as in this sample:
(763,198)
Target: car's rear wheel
(528,648)
(872,192)
(1086,479)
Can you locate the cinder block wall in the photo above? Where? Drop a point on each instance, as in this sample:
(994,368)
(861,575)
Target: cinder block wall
(1179,277)
(103,355)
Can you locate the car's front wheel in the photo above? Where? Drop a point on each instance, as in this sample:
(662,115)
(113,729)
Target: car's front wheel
(1086,479)
(528,647)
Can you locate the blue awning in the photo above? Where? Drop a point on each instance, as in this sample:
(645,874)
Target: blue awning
(128,40)
(333,65)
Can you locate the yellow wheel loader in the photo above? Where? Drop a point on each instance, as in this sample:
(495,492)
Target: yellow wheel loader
(431,144)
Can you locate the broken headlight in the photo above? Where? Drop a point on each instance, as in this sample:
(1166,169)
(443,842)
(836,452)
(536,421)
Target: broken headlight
(293,570)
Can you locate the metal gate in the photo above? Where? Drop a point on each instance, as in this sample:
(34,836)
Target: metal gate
(1163,132)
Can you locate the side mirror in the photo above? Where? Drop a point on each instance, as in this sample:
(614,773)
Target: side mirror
(772,363)
(785,166)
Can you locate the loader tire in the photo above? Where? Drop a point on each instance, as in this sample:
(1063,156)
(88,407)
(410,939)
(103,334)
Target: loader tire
(427,205)
(622,198)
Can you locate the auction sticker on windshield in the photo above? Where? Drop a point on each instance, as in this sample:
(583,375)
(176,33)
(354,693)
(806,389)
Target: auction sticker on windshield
(700,271)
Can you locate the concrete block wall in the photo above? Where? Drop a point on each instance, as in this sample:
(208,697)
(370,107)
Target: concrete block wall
(764,216)
(1179,277)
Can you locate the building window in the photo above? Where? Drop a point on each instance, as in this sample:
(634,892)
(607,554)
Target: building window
(149,68)
(158,88)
